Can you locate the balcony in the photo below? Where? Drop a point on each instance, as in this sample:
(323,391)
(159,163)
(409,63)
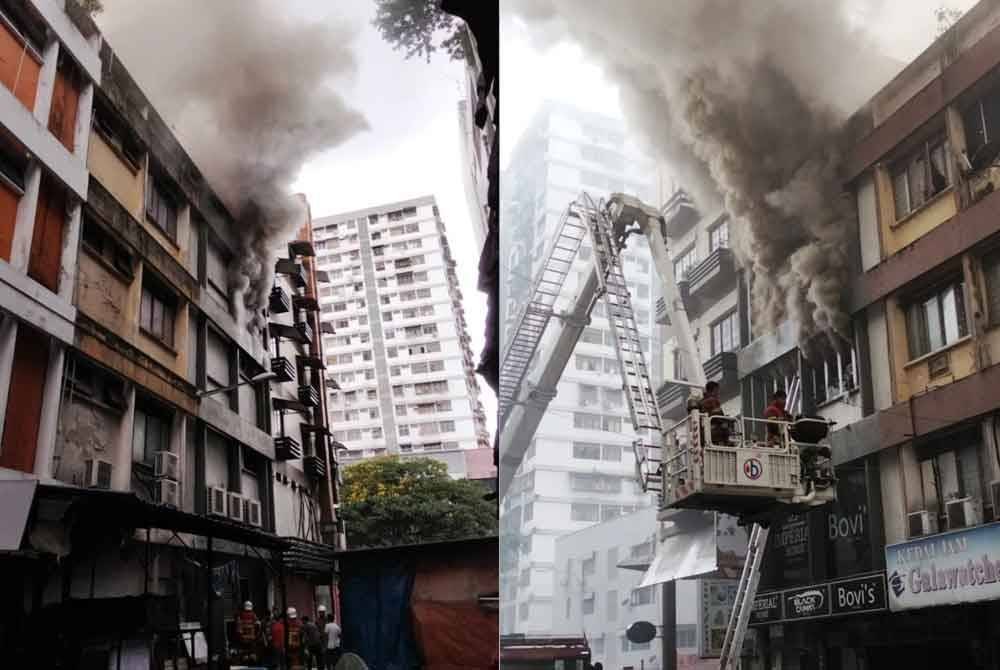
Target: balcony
(305,331)
(286,448)
(708,281)
(282,367)
(306,303)
(292,333)
(672,400)
(314,467)
(723,368)
(279,302)
(301,248)
(680,214)
(309,396)
(314,362)
(292,270)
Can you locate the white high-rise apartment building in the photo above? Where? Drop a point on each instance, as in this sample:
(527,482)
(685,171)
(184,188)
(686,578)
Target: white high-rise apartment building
(580,469)
(399,348)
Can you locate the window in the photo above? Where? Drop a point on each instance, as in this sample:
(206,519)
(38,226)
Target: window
(584,512)
(834,376)
(936,320)
(982,122)
(991,268)
(156,313)
(150,432)
(587,451)
(588,603)
(588,395)
(161,209)
(588,363)
(587,421)
(920,176)
(611,452)
(718,237)
(950,470)
(594,483)
(643,596)
(684,263)
(591,336)
(687,635)
(725,334)
(114,132)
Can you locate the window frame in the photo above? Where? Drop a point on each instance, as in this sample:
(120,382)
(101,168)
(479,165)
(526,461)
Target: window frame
(158,291)
(915,315)
(903,167)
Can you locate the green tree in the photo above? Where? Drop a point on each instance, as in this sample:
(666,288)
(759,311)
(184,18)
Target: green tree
(387,501)
(412,25)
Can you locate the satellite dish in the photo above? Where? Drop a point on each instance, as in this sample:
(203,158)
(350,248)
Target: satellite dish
(641,632)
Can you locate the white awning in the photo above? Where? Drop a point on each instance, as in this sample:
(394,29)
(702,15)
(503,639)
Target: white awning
(16,497)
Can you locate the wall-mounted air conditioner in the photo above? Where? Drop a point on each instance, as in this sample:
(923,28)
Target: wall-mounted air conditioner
(166,464)
(962,513)
(235,506)
(168,492)
(252,513)
(217,501)
(97,474)
(921,523)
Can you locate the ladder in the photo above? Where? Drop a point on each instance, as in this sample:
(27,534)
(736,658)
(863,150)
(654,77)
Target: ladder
(746,591)
(537,312)
(636,383)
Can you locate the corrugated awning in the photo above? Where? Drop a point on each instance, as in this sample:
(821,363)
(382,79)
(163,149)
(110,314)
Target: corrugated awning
(692,552)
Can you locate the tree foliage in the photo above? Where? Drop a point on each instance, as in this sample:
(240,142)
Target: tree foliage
(411,26)
(387,501)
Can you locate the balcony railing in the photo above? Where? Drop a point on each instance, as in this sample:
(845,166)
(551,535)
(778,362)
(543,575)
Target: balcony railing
(708,281)
(680,214)
(292,270)
(314,467)
(723,368)
(308,395)
(279,302)
(283,368)
(672,400)
(287,448)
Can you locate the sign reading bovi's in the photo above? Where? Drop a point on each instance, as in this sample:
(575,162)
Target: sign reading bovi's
(956,567)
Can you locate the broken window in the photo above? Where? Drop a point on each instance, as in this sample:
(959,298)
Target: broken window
(982,123)
(920,176)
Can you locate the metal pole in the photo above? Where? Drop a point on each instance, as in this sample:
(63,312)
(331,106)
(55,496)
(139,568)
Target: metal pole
(209,647)
(284,605)
(145,567)
(669,628)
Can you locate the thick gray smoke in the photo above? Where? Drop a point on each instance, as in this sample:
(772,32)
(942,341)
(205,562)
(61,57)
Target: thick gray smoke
(745,102)
(252,95)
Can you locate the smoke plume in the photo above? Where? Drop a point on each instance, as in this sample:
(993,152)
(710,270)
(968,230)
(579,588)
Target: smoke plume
(745,103)
(252,95)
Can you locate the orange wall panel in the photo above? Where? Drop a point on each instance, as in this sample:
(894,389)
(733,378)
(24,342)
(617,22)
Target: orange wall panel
(65,101)
(47,237)
(8,215)
(18,69)
(24,401)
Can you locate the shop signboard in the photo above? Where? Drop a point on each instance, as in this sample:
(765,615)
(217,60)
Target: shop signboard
(945,569)
(853,595)
(714,605)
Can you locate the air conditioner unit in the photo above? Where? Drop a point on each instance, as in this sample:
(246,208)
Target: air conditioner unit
(252,513)
(97,474)
(921,523)
(166,464)
(995,497)
(962,513)
(235,506)
(216,501)
(168,492)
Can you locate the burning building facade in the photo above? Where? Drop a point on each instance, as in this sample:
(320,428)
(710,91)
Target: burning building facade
(148,496)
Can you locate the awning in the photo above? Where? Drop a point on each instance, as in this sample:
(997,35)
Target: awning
(690,551)
(15,506)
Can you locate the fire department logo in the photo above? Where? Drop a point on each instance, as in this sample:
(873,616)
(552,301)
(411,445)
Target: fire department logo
(753,468)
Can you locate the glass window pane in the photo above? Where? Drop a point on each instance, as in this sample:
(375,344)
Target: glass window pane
(932,317)
(950,316)
(157,326)
(918,181)
(899,192)
(146,313)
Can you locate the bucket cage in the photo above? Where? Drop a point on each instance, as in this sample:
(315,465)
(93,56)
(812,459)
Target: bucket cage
(745,466)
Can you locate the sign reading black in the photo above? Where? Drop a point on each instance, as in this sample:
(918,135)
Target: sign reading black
(766,608)
(865,594)
(807,602)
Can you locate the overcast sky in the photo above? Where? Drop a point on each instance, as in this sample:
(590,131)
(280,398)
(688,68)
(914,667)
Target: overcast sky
(412,147)
(563,72)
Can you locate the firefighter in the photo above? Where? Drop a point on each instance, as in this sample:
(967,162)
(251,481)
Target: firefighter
(776,412)
(248,630)
(295,648)
(710,406)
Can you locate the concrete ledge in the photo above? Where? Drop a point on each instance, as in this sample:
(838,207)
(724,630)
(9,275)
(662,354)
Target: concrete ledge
(21,123)
(31,302)
(856,440)
(767,348)
(220,417)
(71,38)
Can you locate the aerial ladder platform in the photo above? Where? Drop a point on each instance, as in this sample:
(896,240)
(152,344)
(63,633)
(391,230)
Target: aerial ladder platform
(754,469)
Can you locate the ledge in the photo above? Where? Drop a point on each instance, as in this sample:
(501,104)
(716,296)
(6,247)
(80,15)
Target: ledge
(34,304)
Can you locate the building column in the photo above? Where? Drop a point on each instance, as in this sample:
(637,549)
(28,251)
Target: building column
(121,452)
(24,223)
(8,337)
(48,425)
(70,252)
(46,81)
(84,112)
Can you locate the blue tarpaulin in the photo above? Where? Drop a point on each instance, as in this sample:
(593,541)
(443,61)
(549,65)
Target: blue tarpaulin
(375,604)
